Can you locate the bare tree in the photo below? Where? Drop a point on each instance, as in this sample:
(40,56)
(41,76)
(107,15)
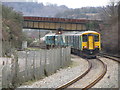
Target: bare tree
(109,15)
(110,12)
(119,27)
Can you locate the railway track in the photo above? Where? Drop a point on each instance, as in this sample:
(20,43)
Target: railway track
(112,57)
(83,75)
(99,77)
(77,78)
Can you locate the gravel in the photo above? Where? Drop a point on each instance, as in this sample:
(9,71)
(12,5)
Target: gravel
(62,76)
(95,71)
(110,80)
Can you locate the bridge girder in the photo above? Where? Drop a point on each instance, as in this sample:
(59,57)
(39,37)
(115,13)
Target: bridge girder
(54,23)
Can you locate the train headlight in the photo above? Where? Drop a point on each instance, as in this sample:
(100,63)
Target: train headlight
(91,52)
(84,46)
(59,32)
(96,46)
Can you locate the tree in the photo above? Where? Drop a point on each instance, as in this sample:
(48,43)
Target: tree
(110,12)
(109,33)
(11,30)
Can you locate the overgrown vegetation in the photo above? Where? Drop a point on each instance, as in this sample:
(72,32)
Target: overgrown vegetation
(109,15)
(53,10)
(84,12)
(11,30)
(36,9)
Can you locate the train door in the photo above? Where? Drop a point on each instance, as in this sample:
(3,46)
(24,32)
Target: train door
(90,42)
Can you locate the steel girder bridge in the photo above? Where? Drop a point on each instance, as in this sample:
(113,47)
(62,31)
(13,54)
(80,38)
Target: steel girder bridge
(47,23)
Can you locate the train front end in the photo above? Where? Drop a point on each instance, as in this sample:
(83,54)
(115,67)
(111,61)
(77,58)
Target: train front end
(91,44)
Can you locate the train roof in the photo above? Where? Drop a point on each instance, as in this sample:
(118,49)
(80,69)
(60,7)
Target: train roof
(72,33)
(50,34)
(86,32)
(80,33)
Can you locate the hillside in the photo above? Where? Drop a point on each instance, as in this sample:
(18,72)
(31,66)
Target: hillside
(36,9)
(84,12)
(53,10)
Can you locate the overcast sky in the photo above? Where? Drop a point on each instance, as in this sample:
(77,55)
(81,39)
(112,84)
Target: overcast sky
(77,3)
(69,3)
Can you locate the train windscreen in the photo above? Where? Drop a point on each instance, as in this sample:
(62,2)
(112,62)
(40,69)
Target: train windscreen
(85,38)
(96,38)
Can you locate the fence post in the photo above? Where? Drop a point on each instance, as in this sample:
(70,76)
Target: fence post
(26,64)
(34,66)
(45,71)
(60,57)
(15,69)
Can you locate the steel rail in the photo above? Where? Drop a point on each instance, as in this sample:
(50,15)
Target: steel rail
(110,57)
(76,79)
(79,77)
(100,76)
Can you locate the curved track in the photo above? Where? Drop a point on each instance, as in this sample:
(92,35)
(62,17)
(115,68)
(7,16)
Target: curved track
(76,79)
(99,77)
(82,76)
(112,57)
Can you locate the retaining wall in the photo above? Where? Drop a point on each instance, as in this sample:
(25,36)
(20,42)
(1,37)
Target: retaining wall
(30,65)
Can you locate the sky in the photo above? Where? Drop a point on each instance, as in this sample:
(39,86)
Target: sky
(76,3)
(69,3)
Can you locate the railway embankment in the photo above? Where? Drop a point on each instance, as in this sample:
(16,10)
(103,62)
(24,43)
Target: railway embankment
(111,78)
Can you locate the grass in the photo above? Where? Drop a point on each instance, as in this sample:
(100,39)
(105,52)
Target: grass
(33,48)
(30,82)
(73,64)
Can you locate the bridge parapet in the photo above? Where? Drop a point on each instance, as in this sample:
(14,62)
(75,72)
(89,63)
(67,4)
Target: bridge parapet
(47,19)
(47,23)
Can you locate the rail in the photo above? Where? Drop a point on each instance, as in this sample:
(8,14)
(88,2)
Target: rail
(81,76)
(76,79)
(99,78)
(112,57)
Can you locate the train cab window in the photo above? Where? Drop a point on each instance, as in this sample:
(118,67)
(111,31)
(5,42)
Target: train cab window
(96,38)
(85,38)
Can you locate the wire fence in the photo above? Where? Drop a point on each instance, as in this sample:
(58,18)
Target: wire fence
(33,65)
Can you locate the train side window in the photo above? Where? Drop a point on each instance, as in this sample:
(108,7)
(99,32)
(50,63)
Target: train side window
(49,38)
(96,38)
(85,38)
(53,37)
(68,39)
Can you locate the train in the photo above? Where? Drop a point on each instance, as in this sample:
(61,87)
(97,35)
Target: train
(84,43)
